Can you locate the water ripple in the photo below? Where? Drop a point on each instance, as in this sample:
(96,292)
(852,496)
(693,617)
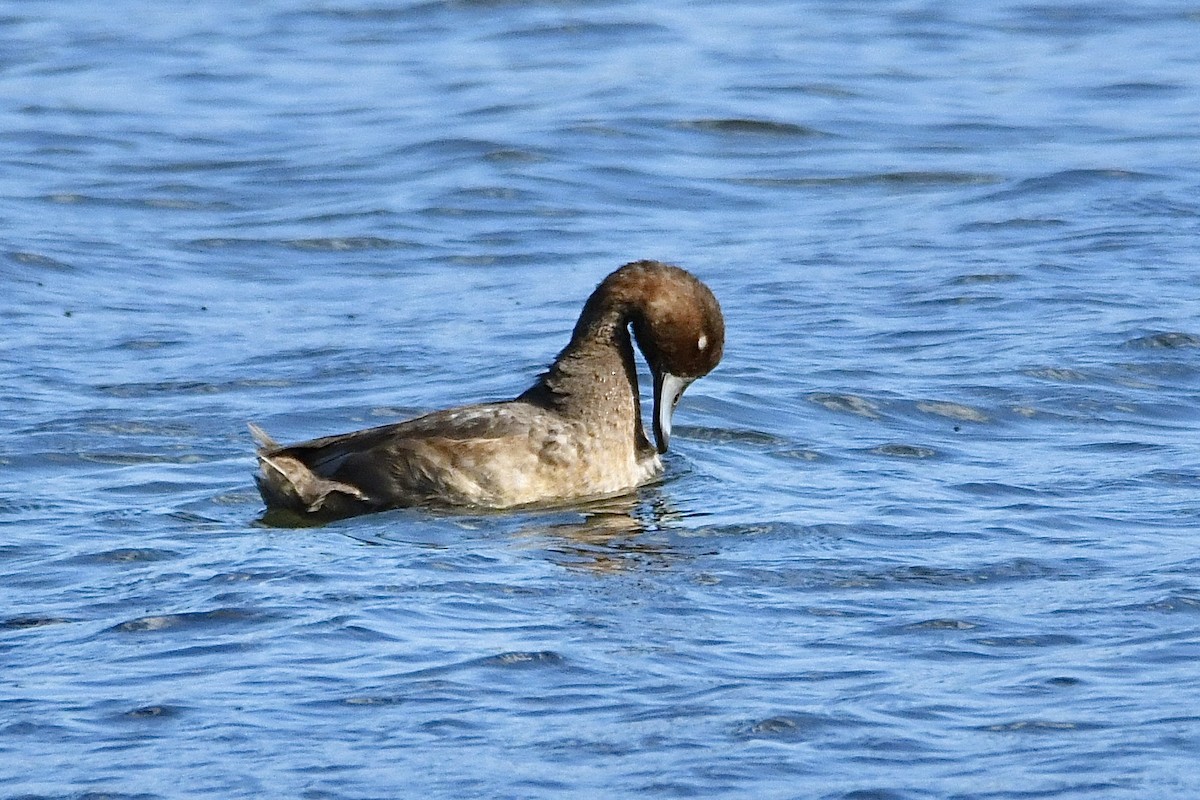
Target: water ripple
(926,532)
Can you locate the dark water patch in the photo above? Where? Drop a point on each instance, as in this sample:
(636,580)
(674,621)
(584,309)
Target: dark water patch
(1135,91)
(955,411)
(1120,447)
(513,660)
(504,193)
(329,244)
(127,427)
(476,205)
(1168,476)
(126,517)
(953,300)
(153,203)
(453,728)
(1182,719)
(31,621)
(213,77)
(1015,570)
(366,215)
(944,655)
(14,506)
(145,343)
(939,625)
(750,438)
(985,278)
(1106,239)
(1070,180)
(154,712)
(366,700)
(44,139)
(204,652)
(151,389)
(350,632)
(1059,374)
(799,454)
(900,450)
(877,794)
(793,727)
(1170,340)
(585,32)
(441,148)
(263,576)
(368,13)
(890,180)
(826,576)
(1076,19)
(1015,224)
(192,621)
(134,459)
(193,522)
(1160,375)
(1043,726)
(788,531)
(100,422)
(40,262)
(128,555)
(42,731)
(521,659)
(752,127)
(322,354)
(1171,604)
(93,795)
(1034,641)
(518,155)
(347,243)
(828,90)
(233,165)
(996,489)
(227,242)
(846,404)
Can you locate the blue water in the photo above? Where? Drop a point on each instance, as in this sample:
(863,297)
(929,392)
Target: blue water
(930,531)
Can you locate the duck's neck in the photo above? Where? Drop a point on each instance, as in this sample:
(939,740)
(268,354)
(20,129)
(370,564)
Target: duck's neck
(595,377)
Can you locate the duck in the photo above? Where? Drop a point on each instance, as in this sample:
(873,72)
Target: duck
(576,434)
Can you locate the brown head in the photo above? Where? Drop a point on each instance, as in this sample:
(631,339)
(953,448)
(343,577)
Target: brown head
(678,326)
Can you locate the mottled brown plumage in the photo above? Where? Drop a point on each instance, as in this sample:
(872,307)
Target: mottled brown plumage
(576,433)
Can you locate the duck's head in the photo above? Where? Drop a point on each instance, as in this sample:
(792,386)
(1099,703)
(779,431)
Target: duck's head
(678,326)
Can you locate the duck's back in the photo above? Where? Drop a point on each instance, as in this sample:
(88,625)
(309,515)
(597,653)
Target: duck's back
(494,455)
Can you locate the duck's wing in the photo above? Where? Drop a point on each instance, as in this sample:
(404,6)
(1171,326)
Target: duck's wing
(406,463)
(323,456)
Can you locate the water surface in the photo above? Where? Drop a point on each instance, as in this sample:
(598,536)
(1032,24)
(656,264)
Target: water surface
(929,531)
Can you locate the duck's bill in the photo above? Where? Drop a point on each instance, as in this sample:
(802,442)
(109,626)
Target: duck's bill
(668,389)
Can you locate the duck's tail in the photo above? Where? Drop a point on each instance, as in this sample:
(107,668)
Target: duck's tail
(286,482)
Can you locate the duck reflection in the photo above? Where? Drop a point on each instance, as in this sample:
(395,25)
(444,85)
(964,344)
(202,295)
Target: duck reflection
(613,535)
(604,536)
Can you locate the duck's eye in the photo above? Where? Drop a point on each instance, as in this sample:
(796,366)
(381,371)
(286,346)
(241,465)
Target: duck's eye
(702,343)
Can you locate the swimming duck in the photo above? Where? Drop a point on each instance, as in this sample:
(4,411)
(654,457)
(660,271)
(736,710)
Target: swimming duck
(576,433)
